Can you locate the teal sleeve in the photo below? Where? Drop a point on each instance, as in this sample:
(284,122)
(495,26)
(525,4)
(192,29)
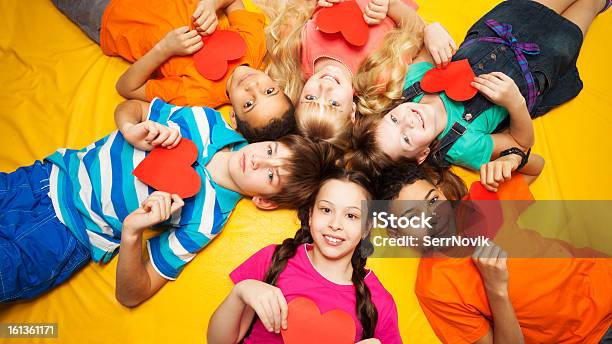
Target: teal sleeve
(471,150)
(416,72)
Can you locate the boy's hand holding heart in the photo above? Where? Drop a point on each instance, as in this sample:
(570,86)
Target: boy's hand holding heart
(204,17)
(180,42)
(157,208)
(147,135)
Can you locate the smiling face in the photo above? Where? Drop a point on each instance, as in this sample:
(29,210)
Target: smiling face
(423,197)
(258,168)
(256,98)
(335,219)
(407,131)
(331,86)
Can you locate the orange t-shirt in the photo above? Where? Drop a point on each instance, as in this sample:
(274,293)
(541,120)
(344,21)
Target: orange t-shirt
(556,300)
(130,28)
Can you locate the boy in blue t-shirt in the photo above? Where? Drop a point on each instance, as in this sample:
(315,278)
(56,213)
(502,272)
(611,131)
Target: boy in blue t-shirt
(78,205)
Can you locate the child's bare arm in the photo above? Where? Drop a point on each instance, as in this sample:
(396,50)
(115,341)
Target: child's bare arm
(501,90)
(181,41)
(494,173)
(131,120)
(439,44)
(439,47)
(534,167)
(137,279)
(231,320)
(233,5)
(491,262)
(405,17)
(131,112)
(520,134)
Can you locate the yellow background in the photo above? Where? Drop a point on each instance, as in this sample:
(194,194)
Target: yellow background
(57,89)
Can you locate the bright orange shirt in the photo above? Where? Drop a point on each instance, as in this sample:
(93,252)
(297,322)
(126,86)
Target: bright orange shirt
(130,28)
(556,300)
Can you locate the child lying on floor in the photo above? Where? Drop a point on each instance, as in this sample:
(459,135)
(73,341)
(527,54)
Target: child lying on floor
(156,36)
(317,69)
(81,205)
(524,55)
(324,262)
(489,298)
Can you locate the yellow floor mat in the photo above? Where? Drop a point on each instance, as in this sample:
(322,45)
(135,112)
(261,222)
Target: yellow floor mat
(58,90)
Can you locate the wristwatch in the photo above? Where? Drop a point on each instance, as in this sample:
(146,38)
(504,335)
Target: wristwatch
(515,150)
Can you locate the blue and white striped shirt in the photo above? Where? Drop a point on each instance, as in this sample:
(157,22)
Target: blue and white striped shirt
(93,189)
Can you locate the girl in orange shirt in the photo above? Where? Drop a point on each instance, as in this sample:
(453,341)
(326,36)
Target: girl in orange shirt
(490,298)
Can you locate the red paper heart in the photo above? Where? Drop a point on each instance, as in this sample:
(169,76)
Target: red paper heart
(455,80)
(219,48)
(478,192)
(481,213)
(306,324)
(170,170)
(345,17)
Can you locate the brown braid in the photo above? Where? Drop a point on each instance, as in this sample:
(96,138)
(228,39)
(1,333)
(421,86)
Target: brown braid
(288,248)
(365,309)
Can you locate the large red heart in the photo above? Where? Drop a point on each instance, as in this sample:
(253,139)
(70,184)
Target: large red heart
(481,212)
(455,80)
(306,324)
(170,170)
(345,17)
(219,48)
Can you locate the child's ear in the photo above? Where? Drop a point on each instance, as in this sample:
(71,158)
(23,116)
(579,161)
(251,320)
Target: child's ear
(263,203)
(423,155)
(353,113)
(233,119)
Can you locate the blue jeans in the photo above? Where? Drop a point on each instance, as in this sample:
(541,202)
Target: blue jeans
(554,68)
(37,251)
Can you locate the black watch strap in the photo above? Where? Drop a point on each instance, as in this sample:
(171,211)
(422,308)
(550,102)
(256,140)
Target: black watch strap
(515,150)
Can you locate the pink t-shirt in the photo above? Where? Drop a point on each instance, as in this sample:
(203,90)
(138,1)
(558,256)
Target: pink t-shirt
(316,44)
(300,278)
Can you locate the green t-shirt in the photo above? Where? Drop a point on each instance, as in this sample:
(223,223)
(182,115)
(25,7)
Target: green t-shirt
(475,146)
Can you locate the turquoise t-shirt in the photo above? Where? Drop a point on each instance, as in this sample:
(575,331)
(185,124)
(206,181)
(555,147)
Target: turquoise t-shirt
(475,146)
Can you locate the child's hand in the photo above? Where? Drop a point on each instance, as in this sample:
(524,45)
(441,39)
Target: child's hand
(376,11)
(267,301)
(439,44)
(327,3)
(157,208)
(500,89)
(149,134)
(491,263)
(205,17)
(181,42)
(498,171)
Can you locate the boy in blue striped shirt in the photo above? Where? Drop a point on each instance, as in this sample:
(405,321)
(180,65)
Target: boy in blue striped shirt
(78,205)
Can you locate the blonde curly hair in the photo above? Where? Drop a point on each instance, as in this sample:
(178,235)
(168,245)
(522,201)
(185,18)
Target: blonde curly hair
(377,82)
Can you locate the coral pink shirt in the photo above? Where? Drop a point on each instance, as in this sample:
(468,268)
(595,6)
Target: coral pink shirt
(300,278)
(316,44)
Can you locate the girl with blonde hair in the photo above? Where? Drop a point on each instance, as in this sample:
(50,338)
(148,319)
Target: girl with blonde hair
(317,70)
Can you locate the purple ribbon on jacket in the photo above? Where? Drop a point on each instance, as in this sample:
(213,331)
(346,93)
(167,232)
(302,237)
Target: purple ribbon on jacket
(504,31)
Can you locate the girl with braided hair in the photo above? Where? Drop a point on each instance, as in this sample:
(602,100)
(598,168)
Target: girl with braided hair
(324,262)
